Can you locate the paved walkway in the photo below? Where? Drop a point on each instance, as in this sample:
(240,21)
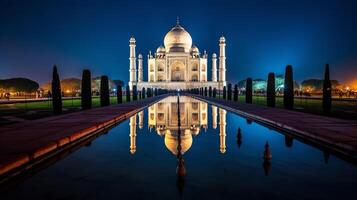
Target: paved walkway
(23,142)
(336,134)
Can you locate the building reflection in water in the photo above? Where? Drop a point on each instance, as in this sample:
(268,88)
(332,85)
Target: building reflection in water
(222,130)
(132,135)
(163,118)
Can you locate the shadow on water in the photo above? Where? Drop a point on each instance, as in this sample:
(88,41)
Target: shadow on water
(181,170)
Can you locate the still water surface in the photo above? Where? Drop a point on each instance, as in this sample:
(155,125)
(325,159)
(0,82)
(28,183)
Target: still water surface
(138,159)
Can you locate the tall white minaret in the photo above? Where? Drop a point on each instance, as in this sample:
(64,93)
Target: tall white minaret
(132,66)
(214,67)
(132,134)
(222,130)
(140,67)
(222,61)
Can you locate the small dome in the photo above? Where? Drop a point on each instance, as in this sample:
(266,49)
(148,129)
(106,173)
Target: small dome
(160,49)
(178,40)
(194,49)
(222,39)
(214,55)
(132,40)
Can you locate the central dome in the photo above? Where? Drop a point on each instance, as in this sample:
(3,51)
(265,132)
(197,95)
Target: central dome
(178,40)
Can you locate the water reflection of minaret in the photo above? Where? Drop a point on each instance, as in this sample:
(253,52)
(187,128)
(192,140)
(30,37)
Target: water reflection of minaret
(214,117)
(132,134)
(141,119)
(222,130)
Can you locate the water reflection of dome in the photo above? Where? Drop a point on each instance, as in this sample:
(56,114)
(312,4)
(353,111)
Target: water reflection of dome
(171,141)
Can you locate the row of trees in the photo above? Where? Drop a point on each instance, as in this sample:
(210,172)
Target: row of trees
(232,94)
(86,92)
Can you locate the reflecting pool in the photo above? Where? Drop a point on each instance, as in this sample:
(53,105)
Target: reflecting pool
(191,150)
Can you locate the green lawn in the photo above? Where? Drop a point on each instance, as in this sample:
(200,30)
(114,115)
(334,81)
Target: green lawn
(340,109)
(34,110)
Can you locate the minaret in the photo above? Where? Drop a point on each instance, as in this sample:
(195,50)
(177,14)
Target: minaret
(140,67)
(222,130)
(132,134)
(214,117)
(222,61)
(132,58)
(214,67)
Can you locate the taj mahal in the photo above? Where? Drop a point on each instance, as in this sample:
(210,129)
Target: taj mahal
(178,64)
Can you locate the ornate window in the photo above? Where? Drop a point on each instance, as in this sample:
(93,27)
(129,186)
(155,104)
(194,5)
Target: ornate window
(161,67)
(194,67)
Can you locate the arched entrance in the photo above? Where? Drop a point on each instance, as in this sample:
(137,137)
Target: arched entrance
(177,71)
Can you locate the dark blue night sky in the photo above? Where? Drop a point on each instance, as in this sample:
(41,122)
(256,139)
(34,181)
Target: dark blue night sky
(262,36)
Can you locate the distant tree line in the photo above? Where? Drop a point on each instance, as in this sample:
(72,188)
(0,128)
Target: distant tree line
(288,87)
(18,85)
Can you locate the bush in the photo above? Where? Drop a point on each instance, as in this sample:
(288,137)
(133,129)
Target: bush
(249,91)
(56,92)
(224,92)
(289,88)
(135,93)
(143,93)
(119,94)
(235,97)
(229,92)
(271,90)
(326,97)
(127,93)
(86,90)
(149,92)
(214,92)
(104,91)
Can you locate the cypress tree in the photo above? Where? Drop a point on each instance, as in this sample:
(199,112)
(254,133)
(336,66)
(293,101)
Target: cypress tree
(249,91)
(229,92)
(148,92)
(210,91)
(235,92)
(56,92)
(127,95)
(326,97)
(206,91)
(289,88)
(271,90)
(135,93)
(224,92)
(214,92)
(86,90)
(104,91)
(119,94)
(143,93)
(156,92)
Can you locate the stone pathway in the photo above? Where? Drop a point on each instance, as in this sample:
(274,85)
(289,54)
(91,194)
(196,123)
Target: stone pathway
(335,134)
(23,142)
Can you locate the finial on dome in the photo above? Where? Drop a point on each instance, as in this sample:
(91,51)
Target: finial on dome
(177,21)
